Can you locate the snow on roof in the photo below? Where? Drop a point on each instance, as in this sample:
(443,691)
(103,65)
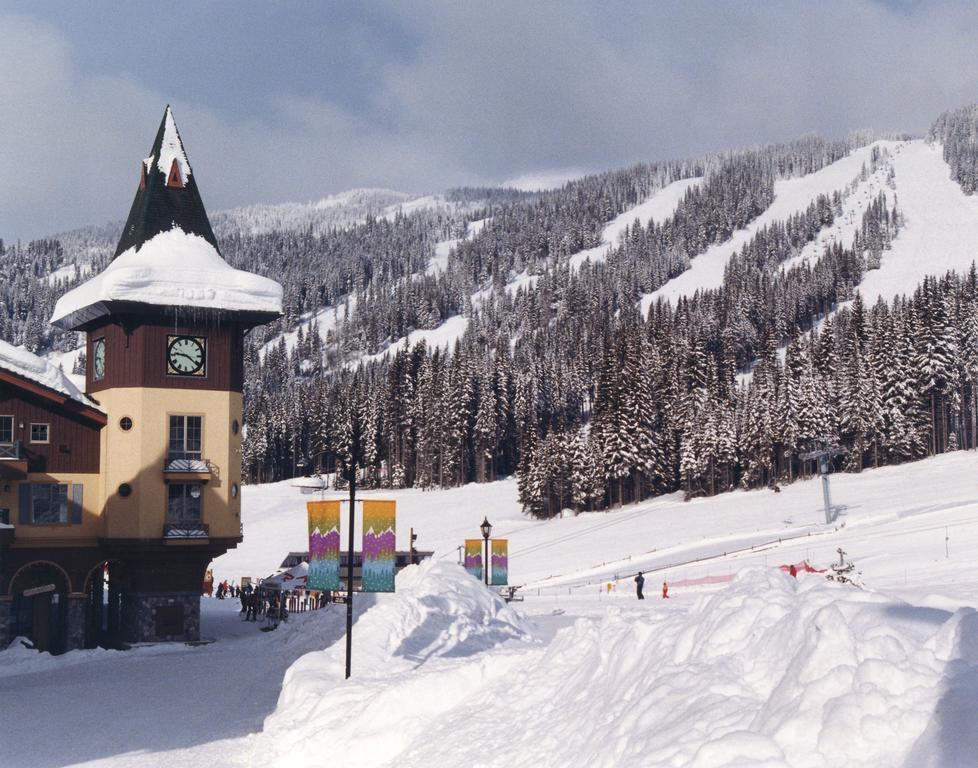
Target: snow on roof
(29,366)
(172,148)
(173,268)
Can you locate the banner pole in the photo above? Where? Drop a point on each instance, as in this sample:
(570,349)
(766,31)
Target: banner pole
(349,573)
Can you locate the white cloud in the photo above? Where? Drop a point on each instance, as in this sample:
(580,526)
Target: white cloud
(485,92)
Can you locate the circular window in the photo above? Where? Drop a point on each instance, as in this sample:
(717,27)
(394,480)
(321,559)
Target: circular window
(125,423)
(234,427)
(234,490)
(125,490)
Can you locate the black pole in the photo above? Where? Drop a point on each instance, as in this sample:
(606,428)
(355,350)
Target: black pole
(485,567)
(349,572)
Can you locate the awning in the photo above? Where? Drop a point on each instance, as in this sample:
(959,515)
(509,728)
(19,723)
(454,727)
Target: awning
(293,578)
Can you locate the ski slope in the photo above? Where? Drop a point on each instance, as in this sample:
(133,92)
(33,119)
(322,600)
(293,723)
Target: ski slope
(790,196)
(579,553)
(326,321)
(661,205)
(940,230)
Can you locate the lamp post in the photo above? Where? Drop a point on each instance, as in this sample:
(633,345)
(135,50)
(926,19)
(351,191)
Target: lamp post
(486,530)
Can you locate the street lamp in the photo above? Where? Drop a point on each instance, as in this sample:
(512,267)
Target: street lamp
(486,530)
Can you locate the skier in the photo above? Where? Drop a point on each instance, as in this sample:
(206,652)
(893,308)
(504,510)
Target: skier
(639,583)
(665,591)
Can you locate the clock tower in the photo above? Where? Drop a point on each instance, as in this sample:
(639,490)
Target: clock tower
(165,324)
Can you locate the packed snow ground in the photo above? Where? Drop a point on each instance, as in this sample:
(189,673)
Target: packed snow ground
(761,670)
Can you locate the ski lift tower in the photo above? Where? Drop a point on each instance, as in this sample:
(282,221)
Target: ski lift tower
(824,451)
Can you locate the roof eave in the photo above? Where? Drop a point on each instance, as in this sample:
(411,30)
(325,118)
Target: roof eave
(85,318)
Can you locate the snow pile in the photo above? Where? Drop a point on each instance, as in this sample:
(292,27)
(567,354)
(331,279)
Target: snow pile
(771,671)
(407,653)
(174,268)
(20,658)
(29,366)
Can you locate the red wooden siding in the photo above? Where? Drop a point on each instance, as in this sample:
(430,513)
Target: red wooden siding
(73,442)
(135,356)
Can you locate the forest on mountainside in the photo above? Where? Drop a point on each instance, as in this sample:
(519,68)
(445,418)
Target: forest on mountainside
(562,380)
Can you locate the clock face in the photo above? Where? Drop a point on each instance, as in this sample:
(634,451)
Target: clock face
(185,355)
(98,359)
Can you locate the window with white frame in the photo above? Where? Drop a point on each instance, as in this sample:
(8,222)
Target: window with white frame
(40,433)
(185,437)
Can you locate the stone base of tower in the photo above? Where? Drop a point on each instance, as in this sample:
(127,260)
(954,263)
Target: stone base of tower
(112,594)
(160,617)
(160,592)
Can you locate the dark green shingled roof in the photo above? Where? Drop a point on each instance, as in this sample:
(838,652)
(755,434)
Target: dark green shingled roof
(159,208)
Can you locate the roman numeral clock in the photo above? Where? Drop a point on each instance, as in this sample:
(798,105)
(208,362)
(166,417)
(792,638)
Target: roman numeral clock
(186,355)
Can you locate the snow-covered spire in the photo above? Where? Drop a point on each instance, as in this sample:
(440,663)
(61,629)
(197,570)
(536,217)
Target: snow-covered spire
(168,255)
(167,194)
(171,149)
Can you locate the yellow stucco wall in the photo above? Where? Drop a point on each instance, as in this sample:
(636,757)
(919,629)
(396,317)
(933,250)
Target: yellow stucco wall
(137,457)
(53,535)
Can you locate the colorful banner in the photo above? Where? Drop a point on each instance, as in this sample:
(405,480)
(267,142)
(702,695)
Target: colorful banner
(499,562)
(473,557)
(324,545)
(379,545)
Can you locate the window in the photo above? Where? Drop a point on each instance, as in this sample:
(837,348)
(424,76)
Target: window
(39,433)
(6,429)
(49,503)
(183,503)
(125,423)
(185,437)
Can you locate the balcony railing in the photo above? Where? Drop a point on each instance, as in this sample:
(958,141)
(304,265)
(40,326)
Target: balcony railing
(186,462)
(12,451)
(185,529)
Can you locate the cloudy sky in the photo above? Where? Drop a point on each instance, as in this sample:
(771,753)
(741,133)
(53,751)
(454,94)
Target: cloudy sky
(294,101)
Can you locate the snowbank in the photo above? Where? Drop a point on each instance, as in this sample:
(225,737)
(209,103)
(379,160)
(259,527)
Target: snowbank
(174,268)
(29,366)
(20,658)
(771,671)
(400,679)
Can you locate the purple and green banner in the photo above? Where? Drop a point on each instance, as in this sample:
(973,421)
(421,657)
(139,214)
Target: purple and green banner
(473,557)
(499,562)
(379,544)
(324,545)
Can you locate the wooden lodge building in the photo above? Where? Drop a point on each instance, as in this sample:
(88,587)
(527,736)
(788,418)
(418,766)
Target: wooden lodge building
(113,501)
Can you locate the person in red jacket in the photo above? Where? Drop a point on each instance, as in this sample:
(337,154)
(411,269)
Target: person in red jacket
(665,590)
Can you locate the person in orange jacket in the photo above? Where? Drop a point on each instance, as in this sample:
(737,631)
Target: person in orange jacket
(665,590)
